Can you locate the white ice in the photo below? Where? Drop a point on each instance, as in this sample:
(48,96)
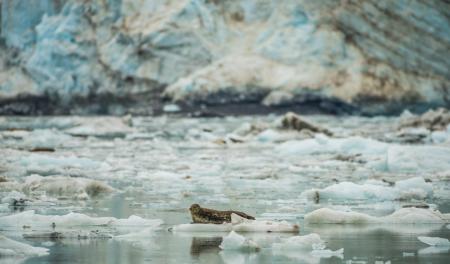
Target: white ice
(381,156)
(30,218)
(413,188)
(324,144)
(234,241)
(402,216)
(240,224)
(60,186)
(435,241)
(9,247)
(299,243)
(53,164)
(102,127)
(310,244)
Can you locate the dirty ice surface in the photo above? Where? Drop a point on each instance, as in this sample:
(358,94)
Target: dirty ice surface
(107,189)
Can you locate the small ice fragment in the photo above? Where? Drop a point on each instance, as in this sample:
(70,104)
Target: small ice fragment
(48,243)
(408,254)
(234,241)
(327,253)
(435,241)
(295,243)
(171,108)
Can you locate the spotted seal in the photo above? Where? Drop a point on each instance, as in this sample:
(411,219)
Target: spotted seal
(210,216)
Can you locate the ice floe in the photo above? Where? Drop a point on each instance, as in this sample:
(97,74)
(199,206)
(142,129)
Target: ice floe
(418,159)
(9,247)
(413,188)
(305,242)
(55,164)
(382,156)
(240,224)
(310,244)
(60,186)
(102,127)
(234,241)
(435,241)
(402,216)
(324,144)
(31,219)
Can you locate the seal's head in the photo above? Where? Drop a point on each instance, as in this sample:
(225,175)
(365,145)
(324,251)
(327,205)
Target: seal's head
(195,208)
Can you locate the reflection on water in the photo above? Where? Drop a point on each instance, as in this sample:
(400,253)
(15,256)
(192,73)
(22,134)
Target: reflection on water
(201,245)
(362,244)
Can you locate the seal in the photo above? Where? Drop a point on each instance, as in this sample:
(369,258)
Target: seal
(210,216)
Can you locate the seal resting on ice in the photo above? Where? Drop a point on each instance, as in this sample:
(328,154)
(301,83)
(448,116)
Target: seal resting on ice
(210,216)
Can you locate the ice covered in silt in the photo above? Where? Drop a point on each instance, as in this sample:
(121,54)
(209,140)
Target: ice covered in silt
(63,179)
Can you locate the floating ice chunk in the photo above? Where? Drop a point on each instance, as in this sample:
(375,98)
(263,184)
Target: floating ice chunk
(309,244)
(271,135)
(240,224)
(299,243)
(15,198)
(418,159)
(45,138)
(414,188)
(9,247)
(30,218)
(440,136)
(69,234)
(144,233)
(234,241)
(408,254)
(433,250)
(329,216)
(171,108)
(328,253)
(324,144)
(101,127)
(40,162)
(401,216)
(435,241)
(77,188)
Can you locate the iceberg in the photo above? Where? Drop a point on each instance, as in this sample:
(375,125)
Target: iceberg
(402,216)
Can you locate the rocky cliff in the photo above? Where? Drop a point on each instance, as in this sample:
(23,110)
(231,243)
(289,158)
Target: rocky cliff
(118,56)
